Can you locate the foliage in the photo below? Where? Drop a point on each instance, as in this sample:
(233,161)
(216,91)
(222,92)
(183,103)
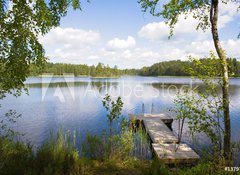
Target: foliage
(5,124)
(120,145)
(202,108)
(206,69)
(123,147)
(208,168)
(113,114)
(94,147)
(22,22)
(110,145)
(57,156)
(100,70)
(207,14)
(113,109)
(15,158)
(142,144)
(178,68)
(200,115)
(182,112)
(169,68)
(171,10)
(165,68)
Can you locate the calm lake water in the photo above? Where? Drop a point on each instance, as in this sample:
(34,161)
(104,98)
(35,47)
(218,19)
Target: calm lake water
(75,103)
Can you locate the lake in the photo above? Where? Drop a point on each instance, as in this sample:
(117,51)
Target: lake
(75,103)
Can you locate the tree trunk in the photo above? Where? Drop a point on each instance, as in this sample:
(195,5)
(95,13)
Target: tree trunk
(225,85)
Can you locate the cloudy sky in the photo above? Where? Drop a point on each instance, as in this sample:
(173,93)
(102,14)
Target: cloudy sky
(117,32)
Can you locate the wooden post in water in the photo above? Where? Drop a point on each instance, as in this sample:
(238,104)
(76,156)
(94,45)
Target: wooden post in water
(152,110)
(143,109)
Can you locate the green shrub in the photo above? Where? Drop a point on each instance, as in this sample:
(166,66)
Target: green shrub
(94,147)
(56,157)
(207,168)
(15,157)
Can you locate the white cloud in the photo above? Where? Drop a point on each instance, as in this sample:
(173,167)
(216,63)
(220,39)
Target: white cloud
(79,46)
(117,43)
(70,37)
(136,57)
(203,48)
(78,55)
(186,27)
(70,45)
(230,8)
(139,57)
(200,48)
(232,47)
(227,13)
(197,49)
(154,31)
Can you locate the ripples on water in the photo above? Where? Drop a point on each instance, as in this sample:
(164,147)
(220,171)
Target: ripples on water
(75,103)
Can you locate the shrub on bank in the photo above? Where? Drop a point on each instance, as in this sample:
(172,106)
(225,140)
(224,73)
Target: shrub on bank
(57,157)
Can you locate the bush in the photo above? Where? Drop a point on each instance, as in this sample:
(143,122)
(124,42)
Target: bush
(15,157)
(207,168)
(56,157)
(94,147)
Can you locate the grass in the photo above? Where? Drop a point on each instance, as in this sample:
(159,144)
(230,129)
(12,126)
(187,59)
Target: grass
(57,156)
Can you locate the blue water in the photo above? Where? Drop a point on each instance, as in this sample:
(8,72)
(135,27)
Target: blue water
(75,103)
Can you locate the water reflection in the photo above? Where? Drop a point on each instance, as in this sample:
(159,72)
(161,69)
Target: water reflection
(75,103)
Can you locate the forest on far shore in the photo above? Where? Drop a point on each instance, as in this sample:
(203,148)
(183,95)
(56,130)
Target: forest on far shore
(165,68)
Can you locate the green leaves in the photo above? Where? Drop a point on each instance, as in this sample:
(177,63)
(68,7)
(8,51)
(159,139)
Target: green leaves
(114,108)
(76,4)
(9,118)
(202,107)
(170,10)
(21,25)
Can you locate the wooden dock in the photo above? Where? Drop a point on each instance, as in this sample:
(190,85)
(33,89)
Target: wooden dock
(166,119)
(164,143)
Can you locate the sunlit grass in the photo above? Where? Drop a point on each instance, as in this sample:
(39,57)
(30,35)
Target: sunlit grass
(58,155)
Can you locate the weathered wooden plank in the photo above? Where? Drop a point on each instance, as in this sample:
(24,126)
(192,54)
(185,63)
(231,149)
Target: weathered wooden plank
(164,117)
(168,154)
(158,127)
(158,131)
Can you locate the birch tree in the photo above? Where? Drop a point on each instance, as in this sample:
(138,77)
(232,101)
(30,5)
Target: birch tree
(207,12)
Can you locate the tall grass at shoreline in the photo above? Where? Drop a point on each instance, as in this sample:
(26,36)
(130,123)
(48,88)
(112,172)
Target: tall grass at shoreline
(58,156)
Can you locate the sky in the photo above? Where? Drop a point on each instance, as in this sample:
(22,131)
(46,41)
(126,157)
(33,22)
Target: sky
(117,32)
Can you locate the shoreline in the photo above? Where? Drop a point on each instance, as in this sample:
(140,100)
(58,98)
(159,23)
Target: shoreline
(88,76)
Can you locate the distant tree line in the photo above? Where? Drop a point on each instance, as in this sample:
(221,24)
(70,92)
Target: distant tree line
(179,68)
(165,68)
(100,70)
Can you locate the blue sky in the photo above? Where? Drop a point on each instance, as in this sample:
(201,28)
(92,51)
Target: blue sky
(117,32)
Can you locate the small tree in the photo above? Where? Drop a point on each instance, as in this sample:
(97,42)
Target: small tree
(114,109)
(201,108)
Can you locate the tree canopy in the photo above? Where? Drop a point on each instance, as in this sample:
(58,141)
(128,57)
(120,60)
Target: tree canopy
(171,10)
(21,23)
(207,13)
(165,68)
